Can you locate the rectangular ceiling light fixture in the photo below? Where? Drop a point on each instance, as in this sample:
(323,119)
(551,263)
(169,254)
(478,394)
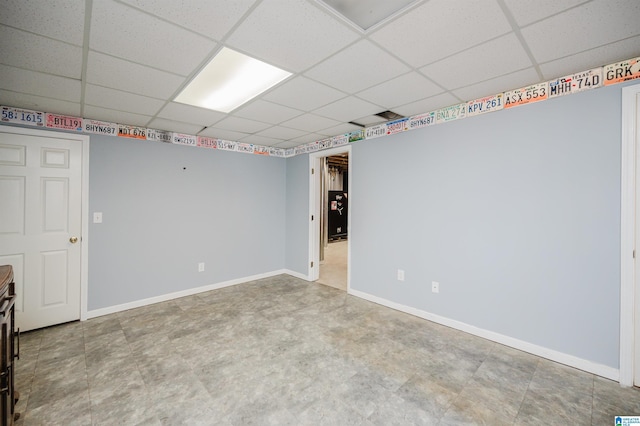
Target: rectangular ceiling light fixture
(230,80)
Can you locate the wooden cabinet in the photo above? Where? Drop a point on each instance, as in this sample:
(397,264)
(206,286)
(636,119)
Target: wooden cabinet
(7,341)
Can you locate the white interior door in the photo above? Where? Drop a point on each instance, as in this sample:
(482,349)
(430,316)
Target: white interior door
(40,220)
(636,310)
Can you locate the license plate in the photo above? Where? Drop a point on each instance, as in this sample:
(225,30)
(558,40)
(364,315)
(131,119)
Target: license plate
(261,150)
(182,139)
(419,121)
(159,135)
(276,152)
(206,142)
(622,71)
(64,122)
(375,131)
(132,132)
(358,135)
(246,148)
(526,95)
(575,83)
(226,145)
(325,143)
(484,105)
(450,113)
(100,127)
(396,126)
(22,116)
(339,140)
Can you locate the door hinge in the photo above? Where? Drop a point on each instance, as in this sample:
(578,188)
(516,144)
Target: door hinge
(311,217)
(634,254)
(312,264)
(313,171)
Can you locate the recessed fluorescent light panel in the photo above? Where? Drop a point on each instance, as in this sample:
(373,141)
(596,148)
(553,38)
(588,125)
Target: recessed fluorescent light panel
(366,14)
(230,80)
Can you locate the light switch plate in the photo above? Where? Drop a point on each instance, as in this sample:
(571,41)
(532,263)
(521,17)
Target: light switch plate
(97,217)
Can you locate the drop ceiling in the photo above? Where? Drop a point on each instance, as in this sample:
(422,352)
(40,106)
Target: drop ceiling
(125,60)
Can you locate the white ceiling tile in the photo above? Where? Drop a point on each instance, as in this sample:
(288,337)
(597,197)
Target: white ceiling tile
(123,75)
(369,120)
(174,126)
(310,137)
(487,61)
(238,124)
(212,18)
(26,50)
(427,105)
(401,90)
(123,101)
(348,109)
(38,103)
(260,140)
(593,58)
(526,12)
(287,144)
(125,32)
(267,112)
(39,84)
(439,28)
(63,20)
(358,67)
(227,135)
(303,94)
(340,129)
(310,123)
(286,33)
(498,85)
(190,114)
(592,25)
(279,132)
(115,116)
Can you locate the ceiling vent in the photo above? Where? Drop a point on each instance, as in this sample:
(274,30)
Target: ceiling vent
(389,115)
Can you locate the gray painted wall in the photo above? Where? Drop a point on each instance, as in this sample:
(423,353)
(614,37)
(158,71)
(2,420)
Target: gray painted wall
(516,214)
(226,209)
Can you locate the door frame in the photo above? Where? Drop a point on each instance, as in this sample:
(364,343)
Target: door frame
(629,292)
(314,211)
(84,215)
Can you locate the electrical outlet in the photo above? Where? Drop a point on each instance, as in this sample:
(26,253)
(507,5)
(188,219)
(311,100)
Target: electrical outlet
(201,267)
(400,275)
(435,287)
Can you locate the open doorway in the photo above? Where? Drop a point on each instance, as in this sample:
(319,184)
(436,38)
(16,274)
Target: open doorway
(334,226)
(330,217)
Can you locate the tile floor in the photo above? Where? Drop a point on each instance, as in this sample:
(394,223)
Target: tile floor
(283,351)
(333,269)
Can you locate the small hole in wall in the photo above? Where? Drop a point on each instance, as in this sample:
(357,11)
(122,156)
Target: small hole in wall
(184,168)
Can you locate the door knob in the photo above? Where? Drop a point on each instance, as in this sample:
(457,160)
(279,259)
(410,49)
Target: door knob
(73,240)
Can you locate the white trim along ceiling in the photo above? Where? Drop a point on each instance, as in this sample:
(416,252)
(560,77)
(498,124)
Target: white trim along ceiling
(115,66)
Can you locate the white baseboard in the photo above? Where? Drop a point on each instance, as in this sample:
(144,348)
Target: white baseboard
(570,360)
(170,296)
(296,274)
